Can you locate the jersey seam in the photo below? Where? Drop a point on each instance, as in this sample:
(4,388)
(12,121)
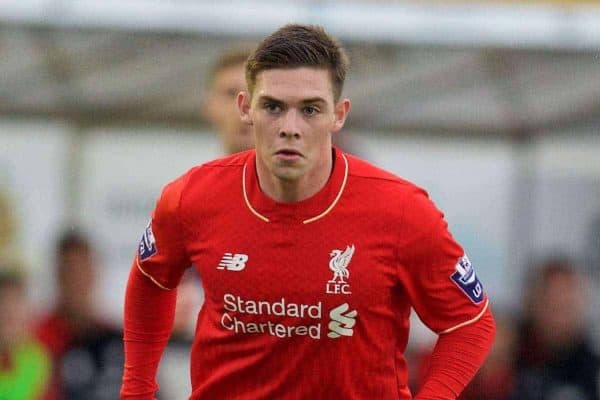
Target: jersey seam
(180,222)
(468,322)
(147,275)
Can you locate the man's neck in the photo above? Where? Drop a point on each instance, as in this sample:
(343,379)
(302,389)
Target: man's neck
(294,190)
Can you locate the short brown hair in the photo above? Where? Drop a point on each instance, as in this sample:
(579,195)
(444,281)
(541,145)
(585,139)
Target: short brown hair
(11,276)
(296,46)
(72,239)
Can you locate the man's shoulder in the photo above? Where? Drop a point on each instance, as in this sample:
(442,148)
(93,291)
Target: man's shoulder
(368,173)
(384,192)
(234,161)
(228,164)
(209,172)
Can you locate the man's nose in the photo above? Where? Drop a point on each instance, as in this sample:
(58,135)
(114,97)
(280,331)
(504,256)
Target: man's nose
(290,125)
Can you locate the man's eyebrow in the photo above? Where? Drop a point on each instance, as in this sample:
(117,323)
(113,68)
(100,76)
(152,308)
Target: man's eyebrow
(309,100)
(269,99)
(314,100)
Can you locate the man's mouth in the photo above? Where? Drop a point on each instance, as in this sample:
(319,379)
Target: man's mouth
(288,152)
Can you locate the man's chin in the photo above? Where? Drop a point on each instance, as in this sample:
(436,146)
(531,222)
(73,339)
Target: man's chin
(287,174)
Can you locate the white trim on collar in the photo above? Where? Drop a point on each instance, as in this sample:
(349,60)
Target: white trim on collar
(306,221)
(246,197)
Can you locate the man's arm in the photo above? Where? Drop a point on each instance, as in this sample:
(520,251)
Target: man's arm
(456,358)
(151,293)
(149,314)
(446,293)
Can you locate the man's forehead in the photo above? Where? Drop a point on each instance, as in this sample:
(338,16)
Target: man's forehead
(298,84)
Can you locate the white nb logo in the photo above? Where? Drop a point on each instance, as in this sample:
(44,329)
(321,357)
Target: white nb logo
(233,262)
(342,321)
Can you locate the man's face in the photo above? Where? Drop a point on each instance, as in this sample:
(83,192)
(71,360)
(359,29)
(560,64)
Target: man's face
(221,110)
(559,308)
(293,115)
(14,316)
(76,281)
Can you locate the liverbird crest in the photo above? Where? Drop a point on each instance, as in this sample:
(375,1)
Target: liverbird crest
(339,263)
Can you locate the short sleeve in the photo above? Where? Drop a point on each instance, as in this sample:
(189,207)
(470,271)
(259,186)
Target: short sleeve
(434,270)
(161,254)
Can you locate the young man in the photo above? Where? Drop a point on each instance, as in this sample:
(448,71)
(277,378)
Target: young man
(310,258)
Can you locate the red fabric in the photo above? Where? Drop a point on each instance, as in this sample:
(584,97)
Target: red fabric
(149,313)
(456,358)
(248,344)
(56,334)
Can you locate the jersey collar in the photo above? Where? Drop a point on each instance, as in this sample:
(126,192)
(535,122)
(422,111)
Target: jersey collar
(305,211)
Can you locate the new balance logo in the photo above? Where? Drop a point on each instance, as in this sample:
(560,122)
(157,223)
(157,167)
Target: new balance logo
(342,321)
(233,262)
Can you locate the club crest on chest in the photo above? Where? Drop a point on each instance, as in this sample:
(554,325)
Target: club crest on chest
(339,263)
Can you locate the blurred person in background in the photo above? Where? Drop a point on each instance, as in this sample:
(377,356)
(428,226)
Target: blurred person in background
(25,366)
(225,80)
(87,352)
(555,358)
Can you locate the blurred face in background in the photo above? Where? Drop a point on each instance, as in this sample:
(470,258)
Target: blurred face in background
(559,308)
(14,312)
(76,281)
(221,109)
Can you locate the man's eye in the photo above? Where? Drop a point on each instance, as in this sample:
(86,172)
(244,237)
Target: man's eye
(311,110)
(272,107)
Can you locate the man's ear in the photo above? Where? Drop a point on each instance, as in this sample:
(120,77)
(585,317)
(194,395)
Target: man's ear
(243,102)
(340,113)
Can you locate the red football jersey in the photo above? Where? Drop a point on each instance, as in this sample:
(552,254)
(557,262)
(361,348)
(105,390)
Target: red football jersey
(308,300)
